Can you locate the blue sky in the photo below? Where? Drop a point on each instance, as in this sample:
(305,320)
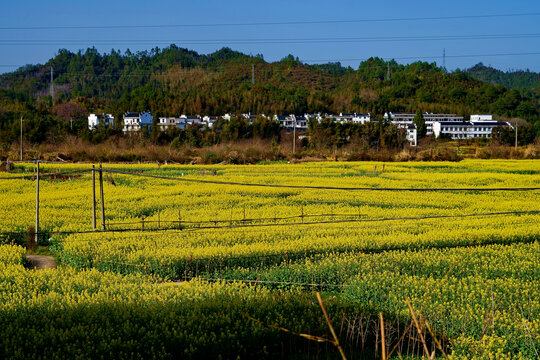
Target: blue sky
(33,13)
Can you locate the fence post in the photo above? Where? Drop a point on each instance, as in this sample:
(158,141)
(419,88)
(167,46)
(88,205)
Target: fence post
(37,204)
(142,223)
(179,218)
(93,197)
(158,219)
(102,199)
(302,214)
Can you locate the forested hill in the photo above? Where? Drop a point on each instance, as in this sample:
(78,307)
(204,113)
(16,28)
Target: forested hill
(513,79)
(173,81)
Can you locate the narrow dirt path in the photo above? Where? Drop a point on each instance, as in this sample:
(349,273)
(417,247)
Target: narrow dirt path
(40,262)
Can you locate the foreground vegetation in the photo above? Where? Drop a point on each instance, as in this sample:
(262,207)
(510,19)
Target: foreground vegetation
(249,260)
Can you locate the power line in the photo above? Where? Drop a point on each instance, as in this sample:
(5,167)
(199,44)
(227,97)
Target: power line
(311,22)
(424,57)
(30,176)
(9,42)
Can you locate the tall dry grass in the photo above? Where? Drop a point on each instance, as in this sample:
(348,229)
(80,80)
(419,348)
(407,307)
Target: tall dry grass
(126,149)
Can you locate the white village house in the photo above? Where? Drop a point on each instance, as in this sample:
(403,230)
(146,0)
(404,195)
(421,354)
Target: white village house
(166,123)
(353,118)
(135,121)
(95,119)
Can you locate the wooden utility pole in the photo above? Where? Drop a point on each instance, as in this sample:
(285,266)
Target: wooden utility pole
(101,195)
(52,86)
(294,137)
(37,204)
(94,197)
(21,137)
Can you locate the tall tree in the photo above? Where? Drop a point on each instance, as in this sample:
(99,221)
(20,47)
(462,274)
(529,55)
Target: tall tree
(420,124)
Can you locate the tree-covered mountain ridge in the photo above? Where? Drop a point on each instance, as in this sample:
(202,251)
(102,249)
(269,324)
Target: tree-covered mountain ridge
(173,81)
(519,79)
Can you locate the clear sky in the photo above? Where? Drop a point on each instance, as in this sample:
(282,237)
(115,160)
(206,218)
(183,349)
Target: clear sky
(336,22)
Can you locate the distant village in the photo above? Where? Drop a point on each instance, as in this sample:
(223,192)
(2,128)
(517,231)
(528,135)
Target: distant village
(439,125)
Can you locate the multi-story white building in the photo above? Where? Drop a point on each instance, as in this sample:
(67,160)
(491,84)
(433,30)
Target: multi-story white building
(480,126)
(412,135)
(431,118)
(453,129)
(402,120)
(95,119)
(135,121)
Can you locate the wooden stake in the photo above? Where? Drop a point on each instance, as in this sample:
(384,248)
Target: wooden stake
(102,198)
(94,197)
(383,345)
(420,334)
(336,340)
(36,237)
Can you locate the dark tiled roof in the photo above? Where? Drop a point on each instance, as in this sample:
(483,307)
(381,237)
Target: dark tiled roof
(491,123)
(455,123)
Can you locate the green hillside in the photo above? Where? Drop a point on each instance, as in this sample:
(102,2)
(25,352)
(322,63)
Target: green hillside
(173,81)
(513,79)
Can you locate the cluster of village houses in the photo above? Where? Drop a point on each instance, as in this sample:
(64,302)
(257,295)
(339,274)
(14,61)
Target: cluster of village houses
(449,125)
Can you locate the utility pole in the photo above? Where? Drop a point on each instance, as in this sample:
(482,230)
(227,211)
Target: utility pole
(294,136)
(21,137)
(94,197)
(388,71)
(52,85)
(101,195)
(253,74)
(36,236)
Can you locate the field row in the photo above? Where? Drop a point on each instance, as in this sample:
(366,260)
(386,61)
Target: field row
(67,205)
(173,253)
